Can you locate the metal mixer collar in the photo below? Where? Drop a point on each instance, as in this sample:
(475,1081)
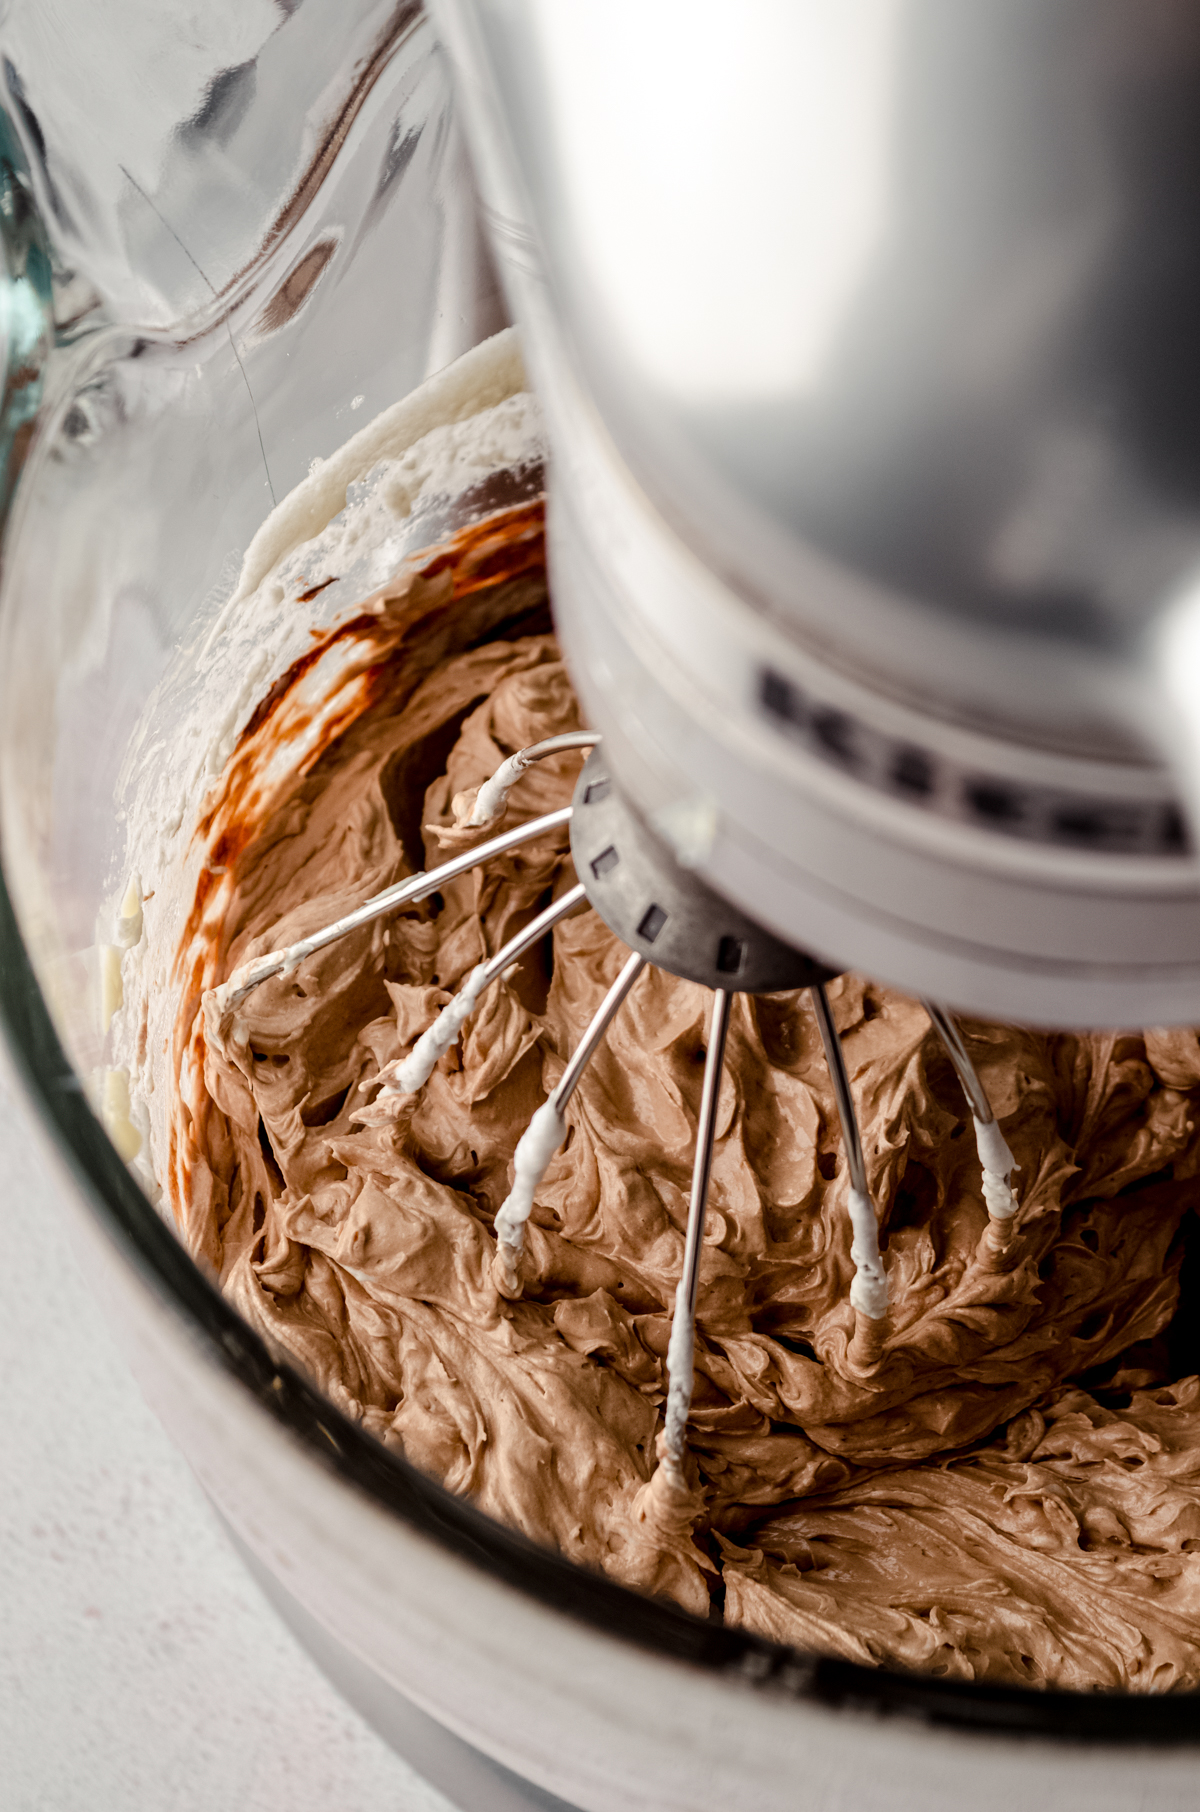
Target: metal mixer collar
(865,335)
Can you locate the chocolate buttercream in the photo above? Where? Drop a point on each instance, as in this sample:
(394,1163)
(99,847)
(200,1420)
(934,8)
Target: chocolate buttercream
(1063,1554)
(965,1507)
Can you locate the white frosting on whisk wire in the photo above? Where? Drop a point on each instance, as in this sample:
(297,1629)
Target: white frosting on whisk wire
(681,1368)
(548,1128)
(407,1074)
(869,1290)
(681,1348)
(413,1072)
(231,993)
(492,796)
(994,1155)
(998,1165)
(535,1148)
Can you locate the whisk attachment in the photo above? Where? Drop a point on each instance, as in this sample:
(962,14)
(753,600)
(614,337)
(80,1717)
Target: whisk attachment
(869,1290)
(407,1074)
(682,1346)
(996,1159)
(543,1136)
(491,798)
(232,992)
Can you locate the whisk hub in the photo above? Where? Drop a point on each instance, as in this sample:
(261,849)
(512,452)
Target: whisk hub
(666,912)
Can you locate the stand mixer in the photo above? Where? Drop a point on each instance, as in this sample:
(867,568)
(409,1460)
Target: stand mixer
(863,339)
(880,609)
(826,556)
(864,336)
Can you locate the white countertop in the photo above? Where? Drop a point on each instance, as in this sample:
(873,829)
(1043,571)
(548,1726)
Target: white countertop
(140,1670)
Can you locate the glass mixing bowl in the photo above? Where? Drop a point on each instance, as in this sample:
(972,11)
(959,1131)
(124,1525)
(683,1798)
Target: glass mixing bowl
(156,456)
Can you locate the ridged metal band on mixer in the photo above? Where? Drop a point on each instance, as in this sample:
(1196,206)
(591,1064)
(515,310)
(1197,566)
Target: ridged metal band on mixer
(923,775)
(665,912)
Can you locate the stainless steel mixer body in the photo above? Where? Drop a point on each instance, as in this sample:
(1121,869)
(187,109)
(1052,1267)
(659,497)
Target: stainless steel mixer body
(865,337)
